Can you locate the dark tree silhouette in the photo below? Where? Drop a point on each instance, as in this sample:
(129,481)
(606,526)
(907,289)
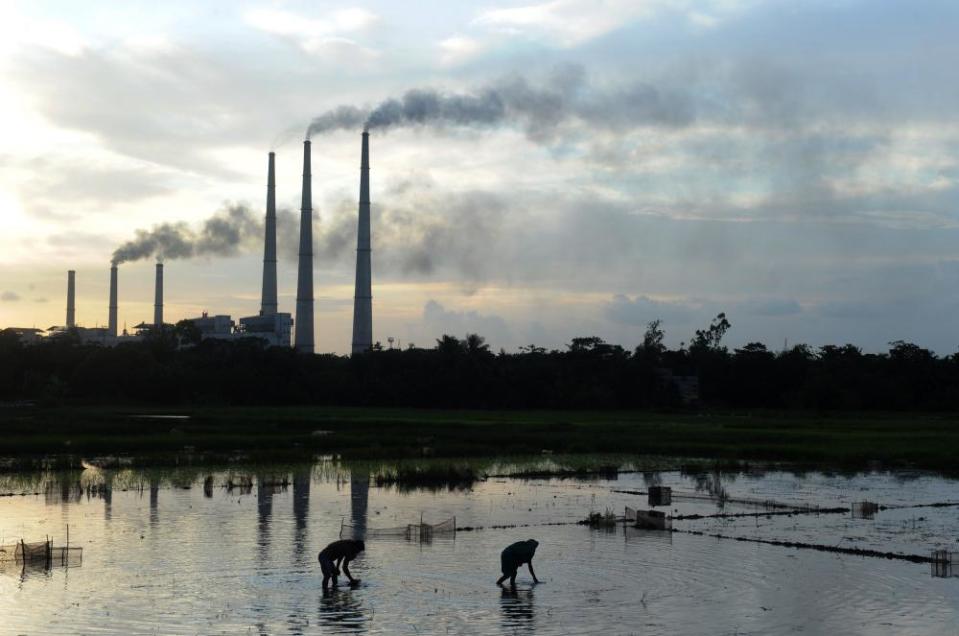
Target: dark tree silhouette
(174,367)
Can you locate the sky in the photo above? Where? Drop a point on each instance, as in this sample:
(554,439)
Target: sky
(555,169)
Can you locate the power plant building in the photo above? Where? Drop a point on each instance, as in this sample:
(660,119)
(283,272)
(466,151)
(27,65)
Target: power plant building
(219,326)
(271,325)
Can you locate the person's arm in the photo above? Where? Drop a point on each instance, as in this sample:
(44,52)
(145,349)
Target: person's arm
(533,574)
(338,563)
(346,571)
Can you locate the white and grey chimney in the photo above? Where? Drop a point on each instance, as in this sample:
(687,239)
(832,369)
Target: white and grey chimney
(158,298)
(112,316)
(363,294)
(303,327)
(268,305)
(71,299)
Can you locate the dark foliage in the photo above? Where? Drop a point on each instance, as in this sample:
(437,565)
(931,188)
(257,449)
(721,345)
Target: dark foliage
(466,374)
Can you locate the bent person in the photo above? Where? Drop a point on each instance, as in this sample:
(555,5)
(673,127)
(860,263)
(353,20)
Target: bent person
(337,554)
(516,555)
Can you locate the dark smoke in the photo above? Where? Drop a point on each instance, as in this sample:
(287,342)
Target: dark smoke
(223,234)
(567,96)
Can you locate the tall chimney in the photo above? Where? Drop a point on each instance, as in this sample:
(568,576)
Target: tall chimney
(158,301)
(363,296)
(112,319)
(71,299)
(268,299)
(303,329)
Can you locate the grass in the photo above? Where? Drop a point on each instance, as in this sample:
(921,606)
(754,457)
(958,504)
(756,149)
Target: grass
(429,475)
(290,433)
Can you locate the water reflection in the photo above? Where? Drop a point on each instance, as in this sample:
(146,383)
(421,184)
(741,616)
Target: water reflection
(107,494)
(264,510)
(359,503)
(516,607)
(154,501)
(235,564)
(301,513)
(208,487)
(342,611)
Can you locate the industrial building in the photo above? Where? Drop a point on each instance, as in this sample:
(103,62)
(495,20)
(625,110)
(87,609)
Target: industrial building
(275,327)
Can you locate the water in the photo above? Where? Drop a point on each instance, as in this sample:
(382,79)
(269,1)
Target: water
(161,558)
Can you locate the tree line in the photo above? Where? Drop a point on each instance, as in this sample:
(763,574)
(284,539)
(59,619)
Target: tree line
(176,368)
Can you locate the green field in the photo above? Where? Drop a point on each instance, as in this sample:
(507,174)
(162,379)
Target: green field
(924,441)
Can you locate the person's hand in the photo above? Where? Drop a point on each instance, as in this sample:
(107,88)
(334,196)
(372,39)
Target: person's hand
(355,582)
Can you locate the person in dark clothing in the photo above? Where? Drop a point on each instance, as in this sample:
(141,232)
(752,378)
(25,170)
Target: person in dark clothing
(336,554)
(516,555)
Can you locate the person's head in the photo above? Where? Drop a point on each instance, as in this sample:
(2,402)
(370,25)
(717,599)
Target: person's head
(533,544)
(358,546)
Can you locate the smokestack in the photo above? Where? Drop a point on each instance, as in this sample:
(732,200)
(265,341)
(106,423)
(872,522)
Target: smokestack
(363,296)
(268,299)
(158,302)
(112,319)
(71,299)
(303,336)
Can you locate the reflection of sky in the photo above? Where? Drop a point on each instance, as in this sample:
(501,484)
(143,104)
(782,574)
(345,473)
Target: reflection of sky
(234,562)
(797,167)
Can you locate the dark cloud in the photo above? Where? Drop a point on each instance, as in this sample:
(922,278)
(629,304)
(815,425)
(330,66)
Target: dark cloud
(539,108)
(9,297)
(419,231)
(223,234)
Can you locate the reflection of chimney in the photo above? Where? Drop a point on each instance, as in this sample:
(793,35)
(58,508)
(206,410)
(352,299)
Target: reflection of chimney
(158,301)
(303,330)
(112,319)
(268,300)
(363,296)
(71,299)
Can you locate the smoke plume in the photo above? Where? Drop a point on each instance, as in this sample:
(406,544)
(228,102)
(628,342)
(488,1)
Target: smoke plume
(223,234)
(567,96)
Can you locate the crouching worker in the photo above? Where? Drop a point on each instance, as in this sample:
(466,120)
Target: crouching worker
(336,554)
(516,555)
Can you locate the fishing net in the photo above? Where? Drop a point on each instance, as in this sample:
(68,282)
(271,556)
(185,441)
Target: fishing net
(41,553)
(945,564)
(420,531)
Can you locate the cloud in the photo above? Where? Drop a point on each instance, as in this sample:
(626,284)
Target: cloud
(772,307)
(9,297)
(171,106)
(642,309)
(565,22)
(319,36)
(439,320)
(570,23)
(47,182)
(459,49)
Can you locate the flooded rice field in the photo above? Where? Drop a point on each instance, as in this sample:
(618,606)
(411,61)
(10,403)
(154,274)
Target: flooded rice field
(235,552)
